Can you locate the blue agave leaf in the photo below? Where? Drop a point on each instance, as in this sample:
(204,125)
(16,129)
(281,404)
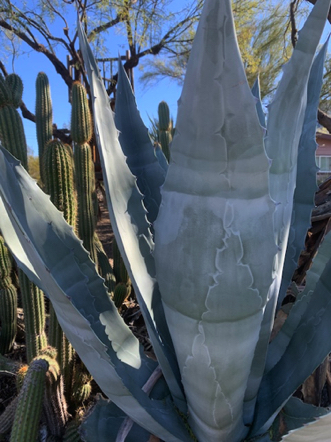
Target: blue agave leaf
(306,175)
(161,158)
(257,94)
(307,347)
(45,246)
(284,127)
(137,146)
(131,228)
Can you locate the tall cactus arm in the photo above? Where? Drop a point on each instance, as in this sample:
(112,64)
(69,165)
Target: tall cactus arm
(44,245)
(131,228)
(214,242)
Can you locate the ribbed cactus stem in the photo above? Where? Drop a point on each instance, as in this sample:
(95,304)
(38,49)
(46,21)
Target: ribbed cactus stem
(30,400)
(44,116)
(7,417)
(12,133)
(120,294)
(8,301)
(72,432)
(81,121)
(15,85)
(165,128)
(34,317)
(105,269)
(120,272)
(5,92)
(85,183)
(58,169)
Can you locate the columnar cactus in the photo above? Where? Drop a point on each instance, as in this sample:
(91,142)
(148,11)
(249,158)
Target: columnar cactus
(15,85)
(58,170)
(13,138)
(165,128)
(11,127)
(44,116)
(34,317)
(26,424)
(81,133)
(8,301)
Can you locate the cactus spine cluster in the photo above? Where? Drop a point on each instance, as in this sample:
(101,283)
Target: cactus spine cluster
(81,133)
(8,301)
(165,128)
(44,116)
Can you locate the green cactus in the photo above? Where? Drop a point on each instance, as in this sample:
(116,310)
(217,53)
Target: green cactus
(120,271)
(12,133)
(31,395)
(121,293)
(34,317)
(81,121)
(85,187)
(58,169)
(15,85)
(44,116)
(81,132)
(81,388)
(5,92)
(165,128)
(72,431)
(7,417)
(54,405)
(8,301)
(104,267)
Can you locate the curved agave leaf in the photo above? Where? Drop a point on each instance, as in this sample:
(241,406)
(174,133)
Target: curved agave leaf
(284,127)
(131,228)
(161,158)
(296,414)
(45,246)
(214,242)
(306,175)
(280,343)
(307,348)
(137,146)
(318,431)
(106,415)
(257,94)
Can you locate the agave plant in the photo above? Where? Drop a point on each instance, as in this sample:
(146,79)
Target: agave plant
(209,259)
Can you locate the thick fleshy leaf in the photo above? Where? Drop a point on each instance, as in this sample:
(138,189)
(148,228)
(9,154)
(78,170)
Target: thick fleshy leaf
(161,158)
(214,242)
(318,431)
(296,414)
(130,226)
(137,146)
(259,109)
(284,127)
(309,345)
(45,246)
(306,185)
(105,416)
(280,343)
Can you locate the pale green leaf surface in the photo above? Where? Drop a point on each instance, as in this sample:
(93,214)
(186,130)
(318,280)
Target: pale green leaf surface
(213,274)
(137,146)
(306,185)
(284,127)
(45,245)
(318,431)
(129,223)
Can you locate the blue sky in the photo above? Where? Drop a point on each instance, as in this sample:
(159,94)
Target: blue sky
(28,65)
